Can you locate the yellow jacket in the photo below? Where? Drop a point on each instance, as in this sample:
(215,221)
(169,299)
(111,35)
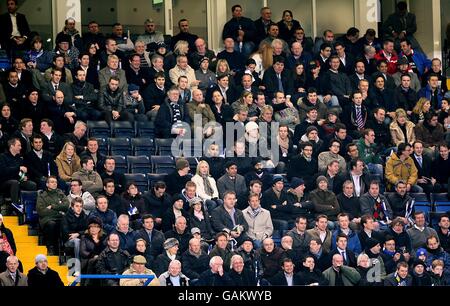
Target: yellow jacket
(138,282)
(396,170)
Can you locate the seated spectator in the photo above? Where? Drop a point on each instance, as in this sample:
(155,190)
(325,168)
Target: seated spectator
(286,276)
(420,110)
(112,260)
(173,276)
(42,276)
(258,219)
(442,231)
(199,53)
(103,213)
(67,162)
(278,79)
(436,68)
(198,108)
(14,92)
(400,278)
(271,257)
(368,152)
(8,123)
(342,249)
(112,70)
(356,116)
(141,249)
(90,179)
(53,142)
(287,113)
(380,128)
(135,73)
(349,201)
(239,274)
(92,244)
(195,260)
(391,254)
(311,120)
(438,278)
(431,92)
(275,200)
(335,85)
(304,165)
(376,205)
(436,252)
(74,224)
(404,68)
(55,83)
(423,164)
(333,154)
(61,113)
(178,178)
(401,203)
(8,243)
(51,206)
(319,254)
(199,219)
(421,277)
(231,181)
(138,268)
(400,166)
(358,177)
(181,232)
(352,243)
(126,234)
(157,200)
(222,249)
(324,201)
(430,132)
(14,177)
(114,200)
(154,94)
(111,101)
(172,213)
(321,232)
(373,250)
(23,134)
(89,64)
(401,238)
(40,164)
(170,253)
(37,57)
(85,97)
(154,239)
(441,166)
(309,274)
(109,172)
(368,230)
(215,276)
(59,64)
(206,186)
(133,204)
(78,137)
(381,94)
(183,69)
(7,279)
(420,232)
(404,94)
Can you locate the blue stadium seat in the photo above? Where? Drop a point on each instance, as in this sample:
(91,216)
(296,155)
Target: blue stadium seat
(121,163)
(155,177)
(144,129)
(103,145)
(98,129)
(139,179)
(163,146)
(28,199)
(193,162)
(138,164)
(143,146)
(421,202)
(441,202)
(122,129)
(162,164)
(120,146)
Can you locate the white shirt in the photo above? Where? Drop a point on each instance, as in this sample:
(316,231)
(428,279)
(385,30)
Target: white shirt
(15,29)
(322,235)
(356,183)
(175,280)
(289,279)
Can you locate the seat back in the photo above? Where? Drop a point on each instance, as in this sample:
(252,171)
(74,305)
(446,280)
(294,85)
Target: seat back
(122,129)
(155,177)
(98,129)
(145,129)
(162,164)
(143,146)
(119,146)
(121,163)
(139,179)
(138,164)
(163,146)
(28,199)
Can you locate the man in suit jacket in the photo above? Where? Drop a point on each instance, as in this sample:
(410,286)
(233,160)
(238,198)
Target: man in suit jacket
(360,180)
(12,277)
(231,181)
(13,36)
(276,78)
(55,84)
(424,164)
(342,249)
(221,218)
(262,25)
(154,238)
(358,74)
(355,115)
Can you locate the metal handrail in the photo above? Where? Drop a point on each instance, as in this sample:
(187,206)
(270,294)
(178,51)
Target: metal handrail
(112,276)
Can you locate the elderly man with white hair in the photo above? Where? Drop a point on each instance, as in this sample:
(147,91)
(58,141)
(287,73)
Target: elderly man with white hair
(240,275)
(12,276)
(138,268)
(126,234)
(41,276)
(173,276)
(215,276)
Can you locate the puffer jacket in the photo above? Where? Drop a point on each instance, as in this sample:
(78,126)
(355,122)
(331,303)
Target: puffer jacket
(396,169)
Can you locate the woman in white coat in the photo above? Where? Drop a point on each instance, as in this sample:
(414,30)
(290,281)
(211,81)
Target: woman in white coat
(206,186)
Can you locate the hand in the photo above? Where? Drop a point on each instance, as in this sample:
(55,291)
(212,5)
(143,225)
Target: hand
(23,169)
(274,207)
(202,105)
(433,181)
(19,40)
(195,83)
(391,114)
(79,97)
(49,207)
(402,35)
(234,234)
(156,107)
(241,33)
(408,187)
(356,220)
(326,98)
(397,256)
(298,205)
(289,104)
(422,181)
(158,220)
(73,236)
(115,114)
(220,270)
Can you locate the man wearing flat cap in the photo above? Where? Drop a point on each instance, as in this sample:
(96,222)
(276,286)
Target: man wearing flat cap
(138,268)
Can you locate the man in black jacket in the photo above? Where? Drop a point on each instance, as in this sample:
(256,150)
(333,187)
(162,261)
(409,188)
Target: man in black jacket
(277,78)
(423,164)
(154,238)
(53,142)
(221,218)
(215,276)
(304,166)
(14,174)
(109,172)
(92,151)
(349,203)
(401,202)
(85,97)
(170,116)
(382,133)
(113,260)
(13,36)
(154,95)
(41,276)
(40,164)
(195,260)
(275,200)
(114,200)
(242,29)
(342,249)
(112,103)
(181,233)
(74,224)
(157,201)
(78,137)
(287,276)
(176,181)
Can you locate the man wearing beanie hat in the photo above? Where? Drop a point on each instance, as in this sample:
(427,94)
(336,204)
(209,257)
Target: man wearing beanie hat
(162,261)
(324,201)
(176,181)
(296,199)
(203,74)
(41,276)
(420,276)
(134,103)
(275,200)
(64,47)
(373,250)
(172,213)
(138,268)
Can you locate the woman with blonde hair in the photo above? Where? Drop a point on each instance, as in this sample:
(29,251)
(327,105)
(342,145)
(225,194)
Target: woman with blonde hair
(181,48)
(206,186)
(67,162)
(402,130)
(263,58)
(422,107)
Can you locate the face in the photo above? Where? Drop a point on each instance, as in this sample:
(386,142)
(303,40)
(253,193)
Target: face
(89,165)
(340,50)
(12,265)
(353,152)
(443,152)
(266,14)
(254,202)
(6,111)
(402,272)
(278,67)
(69,150)
(228,43)
(132,190)
(301,225)
(123,225)
(288,267)
(312,115)
(216,265)
(178,204)
(140,246)
(94,229)
(283,132)
(182,62)
(329,36)
(335,147)
(348,189)
(267,115)
(77,208)
(323,185)
(299,34)
(360,68)
(93,28)
(113,64)
(174,269)
(56,77)
(268,245)
(75,187)
(420,220)
(37,144)
(110,188)
(333,168)
(363,86)
(184,26)
(364,262)
(343,221)
(309,263)
(113,85)
(322,224)
(247,81)
(135,62)
(52,184)
(444,223)
(13,78)
(433,244)
(342,243)
(200,44)
(180,224)
(183,83)
(379,83)
(380,115)
(256,188)
(307,151)
(299,69)
(436,66)
(314,246)
(229,201)
(222,242)
(277,48)
(15,148)
(326,52)
(238,265)
(370,137)
(279,186)
(223,82)
(279,98)
(401,189)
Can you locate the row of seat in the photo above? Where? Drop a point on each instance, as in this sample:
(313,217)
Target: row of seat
(436,202)
(101,129)
(154,164)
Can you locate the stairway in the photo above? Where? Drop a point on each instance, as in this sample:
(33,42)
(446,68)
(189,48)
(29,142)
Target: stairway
(28,248)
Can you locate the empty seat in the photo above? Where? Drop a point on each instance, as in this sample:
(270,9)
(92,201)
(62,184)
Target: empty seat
(28,200)
(441,202)
(120,146)
(155,177)
(143,146)
(145,129)
(420,197)
(139,179)
(122,129)
(103,145)
(138,164)
(121,163)
(98,129)
(162,164)
(163,146)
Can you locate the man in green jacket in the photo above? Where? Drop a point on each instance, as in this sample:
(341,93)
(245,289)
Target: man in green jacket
(367,150)
(340,275)
(51,206)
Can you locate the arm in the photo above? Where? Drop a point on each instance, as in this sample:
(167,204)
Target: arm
(389,173)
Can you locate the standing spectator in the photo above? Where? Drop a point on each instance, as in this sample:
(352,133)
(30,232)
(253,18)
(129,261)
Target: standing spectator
(262,25)
(93,36)
(16,30)
(288,25)
(242,29)
(184,34)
